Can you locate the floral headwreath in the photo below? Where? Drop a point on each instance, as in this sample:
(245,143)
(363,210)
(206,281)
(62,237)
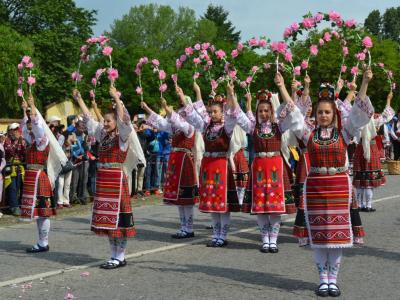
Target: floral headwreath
(218,99)
(326,92)
(264,95)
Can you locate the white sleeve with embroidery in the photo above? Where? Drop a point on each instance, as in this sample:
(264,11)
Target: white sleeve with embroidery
(94,128)
(386,116)
(360,114)
(290,118)
(124,128)
(41,139)
(25,132)
(230,118)
(194,118)
(158,122)
(180,124)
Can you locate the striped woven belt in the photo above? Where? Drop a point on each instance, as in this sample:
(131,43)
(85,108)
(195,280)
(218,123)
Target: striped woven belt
(330,170)
(36,167)
(109,165)
(215,154)
(267,154)
(176,149)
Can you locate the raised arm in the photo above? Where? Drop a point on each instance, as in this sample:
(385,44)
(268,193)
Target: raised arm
(94,128)
(306,92)
(37,126)
(155,120)
(388,113)
(196,113)
(176,121)
(280,83)
(97,111)
(123,119)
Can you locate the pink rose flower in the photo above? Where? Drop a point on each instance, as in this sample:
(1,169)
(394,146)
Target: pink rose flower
(214,84)
(304,64)
(345,51)
(30,65)
(20,80)
(308,23)
(84,48)
(138,71)
(220,54)
(20,66)
(262,43)
(196,75)
(350,23)
(174,78)
(318,17)
(163,87)
(253,42)
(92,94)
(279,47)
(189,51)
(321,42)
(295,26)
(107,51)
(287,32)
(155,62)
(209,62)
(239,47)
(183,58)
(288,56)
(327,36)
(343,68)
(99,72)
(297,70)
(178,64)
(143,60)
(75,76)
(20,93)
(205,46)
(94,81)
(139,90)
(196,60)
(335,33)
(249,79)
(367,42)
(243,84)
(360,56)
(234,53)
(112,74)
(381,65)
(162,75)
(314,50)
(31,80)
(69,296)
(26,59)
(232,73)
(354,70)
(254,69)
(266,66)
(390,74)
(334,16)
(197,47)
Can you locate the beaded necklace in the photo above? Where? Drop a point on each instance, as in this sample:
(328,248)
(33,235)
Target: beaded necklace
(266,135)
(108,142)
(326,141)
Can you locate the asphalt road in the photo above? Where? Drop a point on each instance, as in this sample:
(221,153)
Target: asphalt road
(162,268)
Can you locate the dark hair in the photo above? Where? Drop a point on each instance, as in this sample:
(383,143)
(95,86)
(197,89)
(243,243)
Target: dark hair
(112,112)
(67,133)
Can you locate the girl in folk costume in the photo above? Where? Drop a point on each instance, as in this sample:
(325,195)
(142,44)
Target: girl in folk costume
(38,187)
(269,172)
(112,212)
(367,172)
(180,187)
(217,190)
(327,188)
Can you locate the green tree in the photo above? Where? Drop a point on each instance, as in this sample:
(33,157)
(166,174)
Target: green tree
(12,47)
(391,24)
(226,30)
(57,29)
(374,22)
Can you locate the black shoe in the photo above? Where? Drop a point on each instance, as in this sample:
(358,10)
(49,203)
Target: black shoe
(273,249)
(113,263)
(322,290)
(37,248)
(334,292)
(370,209)
(264,248)
(212,243)
(364,209)
(182,235)
(221,243)
(209,227)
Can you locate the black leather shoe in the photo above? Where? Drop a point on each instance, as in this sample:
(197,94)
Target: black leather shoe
(221,243)
(113,264)
(273,249)
(182,235)
(370,209)
(334,292)
(37,249)
(212,243)
(264,248)
(322,290)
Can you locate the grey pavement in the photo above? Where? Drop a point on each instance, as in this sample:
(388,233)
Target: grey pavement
(162,268)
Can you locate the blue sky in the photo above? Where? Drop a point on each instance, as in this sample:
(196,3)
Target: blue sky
(251,17)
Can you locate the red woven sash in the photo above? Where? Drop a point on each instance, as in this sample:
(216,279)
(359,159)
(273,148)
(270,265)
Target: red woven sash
(173,176)
(29,191)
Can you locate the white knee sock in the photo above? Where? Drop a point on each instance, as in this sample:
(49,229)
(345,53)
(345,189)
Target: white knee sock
(369,194)
(188,210)
(364,199)
(263,225)
(225,223)
(321,260)
(274,226)
(182,217)
(113,246)
(240,192)
(334,259)
(120,248)
(360,197)
(216,223)
(43,225)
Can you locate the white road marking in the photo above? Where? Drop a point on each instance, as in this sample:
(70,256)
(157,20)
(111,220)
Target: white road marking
(139,254)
